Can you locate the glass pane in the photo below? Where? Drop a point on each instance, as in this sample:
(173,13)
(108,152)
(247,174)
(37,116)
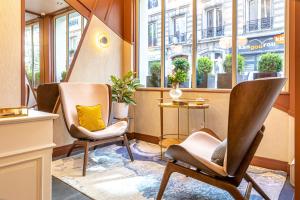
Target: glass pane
(74,33)
(261,39)
(60,48)
(84,21)
(28,54)
(214,42)
(36,55)
(178,42)
(150,43)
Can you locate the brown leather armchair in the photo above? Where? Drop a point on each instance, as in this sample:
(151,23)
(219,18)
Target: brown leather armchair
(250,104)
(88,94)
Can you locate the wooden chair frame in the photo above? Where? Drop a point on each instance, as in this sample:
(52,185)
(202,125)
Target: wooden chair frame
(87,144)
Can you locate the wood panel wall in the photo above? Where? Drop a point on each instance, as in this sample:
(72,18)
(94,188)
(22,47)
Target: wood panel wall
(116,14)
(297,97)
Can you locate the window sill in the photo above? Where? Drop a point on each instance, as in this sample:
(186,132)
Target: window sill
(203,90)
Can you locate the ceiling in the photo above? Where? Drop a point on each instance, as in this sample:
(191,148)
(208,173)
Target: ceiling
(29,16)
(44,6)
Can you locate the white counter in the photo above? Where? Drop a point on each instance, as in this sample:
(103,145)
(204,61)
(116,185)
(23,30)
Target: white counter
(26,145)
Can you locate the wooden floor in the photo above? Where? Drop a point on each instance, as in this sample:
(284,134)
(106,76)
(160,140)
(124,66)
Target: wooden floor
(62,191)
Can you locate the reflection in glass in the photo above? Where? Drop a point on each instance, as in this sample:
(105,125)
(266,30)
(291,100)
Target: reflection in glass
(178,40)
(60,48)
(32,54)
(28,53)
(150,43)
(74,33)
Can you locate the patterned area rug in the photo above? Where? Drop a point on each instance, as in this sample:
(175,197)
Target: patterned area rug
(112,176)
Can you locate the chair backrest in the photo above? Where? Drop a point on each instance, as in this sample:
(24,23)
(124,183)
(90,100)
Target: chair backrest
(86,94)
(250,104)
(47,96)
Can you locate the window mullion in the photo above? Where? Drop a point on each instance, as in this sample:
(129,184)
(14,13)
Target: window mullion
(32,57)
(162,72)
(234,42)
(67,41)
(194,44)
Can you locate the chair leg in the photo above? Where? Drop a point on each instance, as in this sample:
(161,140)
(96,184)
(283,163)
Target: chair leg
(128,147)
(235,193)
(167,173)
(86,158)
(71,149)
(256,187)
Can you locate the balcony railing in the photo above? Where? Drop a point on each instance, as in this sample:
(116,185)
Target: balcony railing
(178,38)
(152,42)
(212,32)
(258,24)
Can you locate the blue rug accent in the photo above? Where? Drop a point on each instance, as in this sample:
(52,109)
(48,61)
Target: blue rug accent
(111,175)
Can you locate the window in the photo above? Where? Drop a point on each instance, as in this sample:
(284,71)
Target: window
(258,15)
(152,4)
(32,53)
(202,38)
(152,34)
(68,31)
(177,29)
(214,23)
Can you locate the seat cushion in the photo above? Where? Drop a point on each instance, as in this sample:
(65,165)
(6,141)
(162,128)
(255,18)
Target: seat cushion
(196,151)
(113,130)
(219,153)
(90,117)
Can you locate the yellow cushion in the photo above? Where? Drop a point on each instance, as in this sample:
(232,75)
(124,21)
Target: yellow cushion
(90,117)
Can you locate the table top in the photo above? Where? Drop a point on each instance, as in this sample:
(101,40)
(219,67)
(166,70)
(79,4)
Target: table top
(33,115)
(189,105)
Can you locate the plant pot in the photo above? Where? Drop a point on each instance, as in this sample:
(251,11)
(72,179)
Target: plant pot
(150,82)
(259,75)
(224,80)
(175,93)
(120,110)
(202,81)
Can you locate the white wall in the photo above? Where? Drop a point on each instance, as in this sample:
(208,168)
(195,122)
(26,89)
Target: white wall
(93,64)
(10,53)
(276,144)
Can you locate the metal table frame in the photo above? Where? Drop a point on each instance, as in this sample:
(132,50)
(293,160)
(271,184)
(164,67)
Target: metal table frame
(189,106)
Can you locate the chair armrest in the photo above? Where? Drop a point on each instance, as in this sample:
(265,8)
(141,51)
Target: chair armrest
(210,132)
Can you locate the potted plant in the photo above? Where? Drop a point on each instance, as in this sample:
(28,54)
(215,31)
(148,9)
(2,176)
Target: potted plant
(182,66)
(63,75)
(204,67)
(268,66)
(175,78)
(123,90)
(225,79)
(154,79)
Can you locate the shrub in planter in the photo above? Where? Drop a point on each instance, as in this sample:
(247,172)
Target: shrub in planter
(123,90)
(180,72)
(269,65)
(227,65)
(204,67)
(225,79)
(154,79)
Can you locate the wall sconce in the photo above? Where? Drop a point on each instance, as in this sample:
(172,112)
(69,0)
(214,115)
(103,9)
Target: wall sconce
(103,40)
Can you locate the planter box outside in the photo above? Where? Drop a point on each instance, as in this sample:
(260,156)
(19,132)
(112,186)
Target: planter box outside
(224,81)
(259,75)
(150,84)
